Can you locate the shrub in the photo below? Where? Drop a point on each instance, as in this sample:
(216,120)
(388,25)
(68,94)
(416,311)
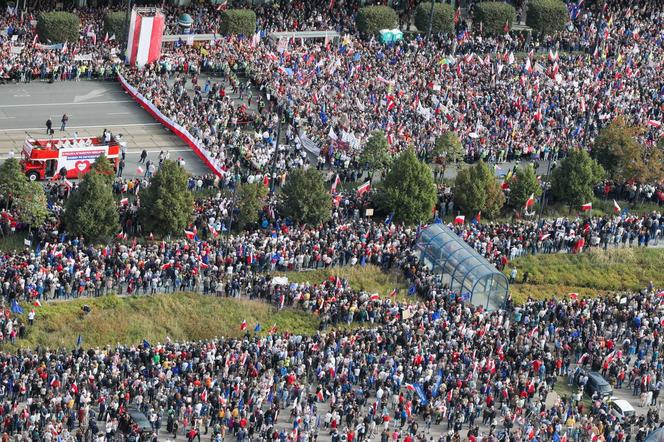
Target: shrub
(238,21)
(58,27)
(443,18)
(494,15)
(547,16)
(115,24)
(372,19)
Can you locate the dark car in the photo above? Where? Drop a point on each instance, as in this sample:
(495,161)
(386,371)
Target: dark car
(597,383)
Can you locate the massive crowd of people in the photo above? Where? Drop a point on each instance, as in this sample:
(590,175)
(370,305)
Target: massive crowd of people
(426,366)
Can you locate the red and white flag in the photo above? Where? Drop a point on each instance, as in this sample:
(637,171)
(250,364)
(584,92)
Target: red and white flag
(616,207)
(459,219)
(124,201)
(243,326)
(64,48)
(655,123)
(364,188)
(222,6)
(410,387)
(189,234)
(336,183)
(530,201)
(374,297)
(587,206)
(139,170)
(573,296)
(37,303)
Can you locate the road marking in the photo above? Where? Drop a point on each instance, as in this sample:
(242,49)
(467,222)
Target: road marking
(90,95)
(23,129)
(7,118)
(136,152)
(65,104)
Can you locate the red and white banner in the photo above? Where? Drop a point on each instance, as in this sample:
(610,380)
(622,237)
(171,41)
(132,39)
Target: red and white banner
(144,38)
(174,127)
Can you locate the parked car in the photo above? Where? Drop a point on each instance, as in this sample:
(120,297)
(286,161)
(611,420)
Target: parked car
(597,384)
(621,409)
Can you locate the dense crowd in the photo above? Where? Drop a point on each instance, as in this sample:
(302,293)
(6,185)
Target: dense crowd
(425,364)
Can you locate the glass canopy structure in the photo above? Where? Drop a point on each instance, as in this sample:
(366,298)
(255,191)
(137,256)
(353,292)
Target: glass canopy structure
(443,251)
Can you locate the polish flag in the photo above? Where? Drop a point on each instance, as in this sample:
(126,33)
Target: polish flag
(189,234)
(37,303)
(460,219)
(393,293)
(204,395)
(533,331)
(68,184)
(587,206)
(364,188)
(124,201)
(530,201)
(106,38)
(336,183)
(410,387)
(374,297)
(166,266)
(320,396)
(616,207)
(655,123)
(64,48)
(74,388)
(573,296)
(538,115)
(243,326)
(139,170)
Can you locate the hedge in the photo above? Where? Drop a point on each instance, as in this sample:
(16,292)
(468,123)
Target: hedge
(238,21)
(114,24)
(547,16)
(58,27)
(443,18)
(372,19)
(493,16)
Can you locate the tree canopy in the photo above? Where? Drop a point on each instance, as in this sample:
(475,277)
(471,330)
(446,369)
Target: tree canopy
(91,211)
(447,150)
(573,180)
(477,190)
(12,179)
(523,184)
(103,167)
(166,204)
(623,158)
(305,197)
(251,198)
(408,190)
(376,155)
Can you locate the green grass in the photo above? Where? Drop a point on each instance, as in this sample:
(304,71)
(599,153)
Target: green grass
(11,242)
(368,278)
(565,390)
(129,320)
(589,274)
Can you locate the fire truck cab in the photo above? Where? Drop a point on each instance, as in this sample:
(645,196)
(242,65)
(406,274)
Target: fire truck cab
(47,158)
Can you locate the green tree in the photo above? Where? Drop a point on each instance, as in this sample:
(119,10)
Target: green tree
(91,210)
(408,190)
(623,158)
(443,18)
(12,180)
(58,27)
(305,197)
(372,19)
(477,190)
(523,184)
(166,204)
(494,15)
(115,24)
(447,150)
(238,21)
(103,167)
(547,16)
(251,198)
(376,154)
(32,205)
(573,180)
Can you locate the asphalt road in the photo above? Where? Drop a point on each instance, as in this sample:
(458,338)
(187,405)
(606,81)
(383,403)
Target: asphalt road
(91,106)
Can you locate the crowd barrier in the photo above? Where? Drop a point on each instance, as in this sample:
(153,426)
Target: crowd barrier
(174,127)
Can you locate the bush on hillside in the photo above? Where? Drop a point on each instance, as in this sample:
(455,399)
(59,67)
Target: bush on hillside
(238,21)
(58,27)
(115,24)
(547,16)
(494,15)
(443,18)
(372,19)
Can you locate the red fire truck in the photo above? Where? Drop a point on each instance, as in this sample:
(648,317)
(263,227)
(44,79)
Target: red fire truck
(44,159)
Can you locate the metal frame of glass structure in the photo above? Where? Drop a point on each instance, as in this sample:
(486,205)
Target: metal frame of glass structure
(470,274)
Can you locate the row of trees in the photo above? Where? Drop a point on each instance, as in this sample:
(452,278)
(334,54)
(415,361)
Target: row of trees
(544,16)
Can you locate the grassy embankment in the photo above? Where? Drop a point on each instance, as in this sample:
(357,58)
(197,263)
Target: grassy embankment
(183,316)
(588,274)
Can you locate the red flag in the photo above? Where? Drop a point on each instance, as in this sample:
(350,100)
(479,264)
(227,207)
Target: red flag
(460,219)
(374,297)
(410,387)
(655,123)
(457,15)
(189,234)
(124,201)
(37,303)
(393,293)
(530,201)
(223,5)
(573,296)
(587,206)
(616,207)
(506,28)
(243,326)
(336,183)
